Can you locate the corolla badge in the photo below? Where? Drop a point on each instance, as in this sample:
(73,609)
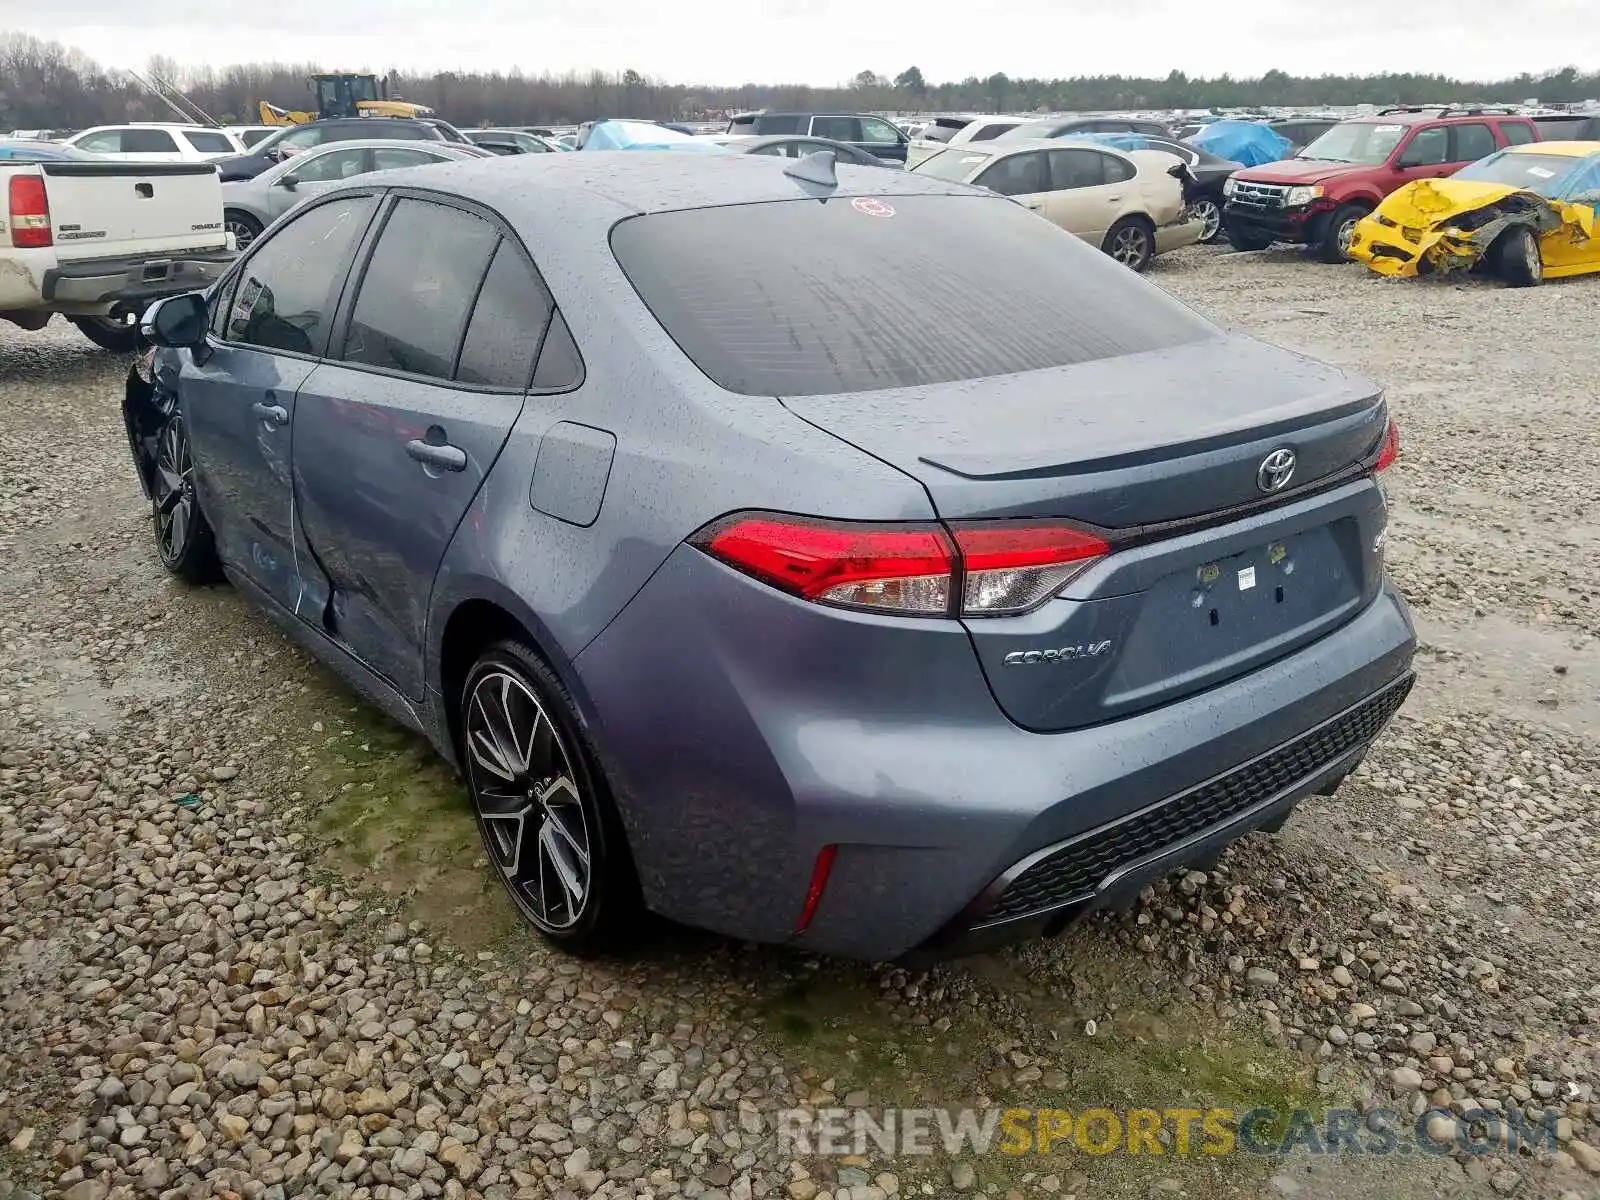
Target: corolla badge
(1060,654)
(1276,470)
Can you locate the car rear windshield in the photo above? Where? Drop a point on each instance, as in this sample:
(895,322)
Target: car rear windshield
(954,165)
(802,298)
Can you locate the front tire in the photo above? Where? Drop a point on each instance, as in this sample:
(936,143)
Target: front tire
(109,333)
(1334,245)
(549,827)
(1132,242)
(1517,259)
(184,540)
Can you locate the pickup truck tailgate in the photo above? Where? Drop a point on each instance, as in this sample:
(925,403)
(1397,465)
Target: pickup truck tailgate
(106,210)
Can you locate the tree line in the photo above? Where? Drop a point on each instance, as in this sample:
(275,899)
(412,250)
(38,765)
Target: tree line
(48,85)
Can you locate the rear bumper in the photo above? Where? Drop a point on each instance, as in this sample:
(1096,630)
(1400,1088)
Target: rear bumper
(1183,232)
(131,281)
(744,731)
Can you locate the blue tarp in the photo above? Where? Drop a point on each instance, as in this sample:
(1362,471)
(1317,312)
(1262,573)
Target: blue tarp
(1117,141)
(642,135)
(1247,142)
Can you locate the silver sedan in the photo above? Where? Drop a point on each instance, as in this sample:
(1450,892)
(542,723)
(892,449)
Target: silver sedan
(250,205)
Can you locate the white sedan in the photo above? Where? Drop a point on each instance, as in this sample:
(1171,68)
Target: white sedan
(1129,203)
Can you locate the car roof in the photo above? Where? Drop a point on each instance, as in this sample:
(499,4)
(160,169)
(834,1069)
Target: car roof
(167,125)
(1019,145)
(553,196)
(1432,117)
(378,144)
(1562,149)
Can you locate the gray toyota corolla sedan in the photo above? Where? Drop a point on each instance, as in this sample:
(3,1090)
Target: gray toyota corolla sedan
(856,561)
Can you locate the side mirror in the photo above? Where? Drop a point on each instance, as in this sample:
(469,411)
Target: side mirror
(289,182)
(176,321)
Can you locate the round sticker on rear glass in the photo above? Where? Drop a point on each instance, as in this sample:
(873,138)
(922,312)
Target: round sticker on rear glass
(872,206)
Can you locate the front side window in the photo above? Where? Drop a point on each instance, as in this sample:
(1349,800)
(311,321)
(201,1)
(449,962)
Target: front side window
(1017,175)
(1430,148)
(418,289)
(879,133)
(289,286)
(329,166)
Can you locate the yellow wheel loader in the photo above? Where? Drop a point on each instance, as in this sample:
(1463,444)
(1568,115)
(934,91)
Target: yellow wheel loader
(345,94)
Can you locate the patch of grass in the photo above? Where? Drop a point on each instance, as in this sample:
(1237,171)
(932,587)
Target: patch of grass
(394,816)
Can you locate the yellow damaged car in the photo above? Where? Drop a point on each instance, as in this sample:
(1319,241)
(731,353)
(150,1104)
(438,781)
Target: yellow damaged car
(1523,213)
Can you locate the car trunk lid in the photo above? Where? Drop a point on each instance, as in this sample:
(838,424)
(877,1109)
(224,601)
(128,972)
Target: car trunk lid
(1210,574)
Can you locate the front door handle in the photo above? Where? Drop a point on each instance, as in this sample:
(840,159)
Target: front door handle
(272,414)
(446,457)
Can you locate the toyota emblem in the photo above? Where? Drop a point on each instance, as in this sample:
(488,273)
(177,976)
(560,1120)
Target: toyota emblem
(1276,470)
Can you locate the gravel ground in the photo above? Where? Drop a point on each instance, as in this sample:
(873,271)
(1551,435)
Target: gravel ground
(298,981)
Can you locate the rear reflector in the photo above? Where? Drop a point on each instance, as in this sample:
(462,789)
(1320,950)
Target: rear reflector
(978,568)
(1390,450)
(30,213)
(819,882)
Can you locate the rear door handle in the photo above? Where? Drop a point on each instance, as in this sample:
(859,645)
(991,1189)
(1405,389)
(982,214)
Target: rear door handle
(445,457)
(272,414)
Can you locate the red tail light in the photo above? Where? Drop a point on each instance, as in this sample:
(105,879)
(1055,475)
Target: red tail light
(1003,567)
(1390,450)
(30,213)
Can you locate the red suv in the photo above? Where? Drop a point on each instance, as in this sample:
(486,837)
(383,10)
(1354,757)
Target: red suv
(1315,198)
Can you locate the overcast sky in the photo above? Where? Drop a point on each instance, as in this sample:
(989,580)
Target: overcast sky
(827,41)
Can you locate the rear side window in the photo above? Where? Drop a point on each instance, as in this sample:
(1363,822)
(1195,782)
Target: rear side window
(990,132)
(1471,142)
(840,129)
(148,141)
(1118,170)
(507,323)
(1517,133)
(1071,169)
(210,143)
(798,298)
(288,288)
(418,289)
(771,124)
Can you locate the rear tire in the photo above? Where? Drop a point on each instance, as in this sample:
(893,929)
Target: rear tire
(1334,245)
(1132,242)
(550,829)
(242,225)
(108,333)
(1517,259)
(1247,239)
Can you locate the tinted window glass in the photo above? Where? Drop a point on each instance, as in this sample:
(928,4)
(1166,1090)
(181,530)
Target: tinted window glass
(507,322)
(1472,142)
(418,289)
(771,124)
(800,298)
(251,136)
(989,132)
(289,287)
(1429,148)
(329,166)
(1017,175)
(559,364)
(148,141)
(1118,170)
(210,143)
(385,160)
(840,129)
(1517,133)
(1076,169)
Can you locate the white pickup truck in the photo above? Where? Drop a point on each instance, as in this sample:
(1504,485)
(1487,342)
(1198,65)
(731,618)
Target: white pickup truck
(96,241)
